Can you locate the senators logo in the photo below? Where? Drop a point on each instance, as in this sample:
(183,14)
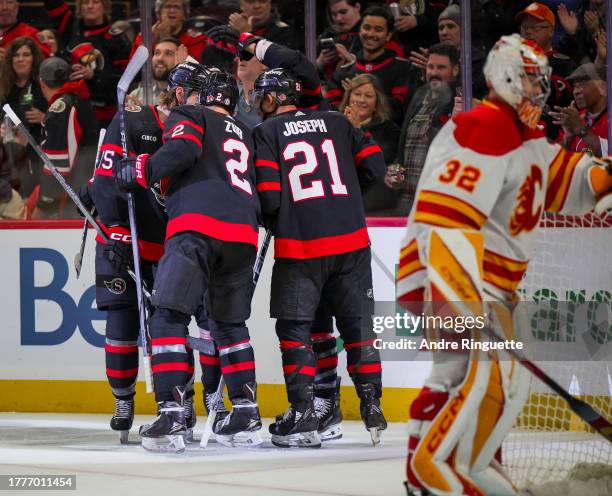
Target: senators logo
(523,216)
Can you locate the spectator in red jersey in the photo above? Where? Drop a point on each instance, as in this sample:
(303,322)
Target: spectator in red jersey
(11,28)
(171,15)
(585,121)
(257,17)
(393,73)
(98,54)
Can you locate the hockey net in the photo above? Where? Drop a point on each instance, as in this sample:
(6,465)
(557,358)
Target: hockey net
(572,273)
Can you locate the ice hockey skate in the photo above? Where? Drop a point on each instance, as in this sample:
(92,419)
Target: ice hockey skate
(327,410)
(190,419)
(240,427)
(296,429)
(167,432)
(371,412)
(123,418)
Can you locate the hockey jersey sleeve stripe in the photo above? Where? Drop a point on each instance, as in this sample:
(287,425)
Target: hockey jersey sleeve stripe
(185,122)
(502,272)
(120,374)
(269,186)
(112,147)
(101,171)
(224,231)
(447,211)
(266,163)
(558,187)
(366,152)
(190,137)
(321,247)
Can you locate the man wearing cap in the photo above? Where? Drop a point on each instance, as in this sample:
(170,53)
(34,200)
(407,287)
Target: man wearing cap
(537,23)
(585,121)
(70,133)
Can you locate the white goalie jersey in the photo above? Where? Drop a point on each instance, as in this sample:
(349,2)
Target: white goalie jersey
(485,171)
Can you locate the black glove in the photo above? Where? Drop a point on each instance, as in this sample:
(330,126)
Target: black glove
(223,34)
(125,173)
(119,254)
(246,40)
(86,200)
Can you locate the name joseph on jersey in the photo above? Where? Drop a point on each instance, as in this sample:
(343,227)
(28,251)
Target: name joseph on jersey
(307,126)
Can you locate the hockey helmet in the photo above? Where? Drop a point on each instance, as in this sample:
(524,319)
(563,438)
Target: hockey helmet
(518,71)
(185,75)
(280,83)
(219,88)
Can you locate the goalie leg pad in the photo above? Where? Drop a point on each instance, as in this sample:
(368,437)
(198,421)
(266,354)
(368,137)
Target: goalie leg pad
(433,461)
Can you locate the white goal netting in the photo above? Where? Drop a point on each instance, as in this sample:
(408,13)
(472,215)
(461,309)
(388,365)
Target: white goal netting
(571,277)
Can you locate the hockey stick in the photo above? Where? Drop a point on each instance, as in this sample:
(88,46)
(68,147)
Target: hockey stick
(212,415)
(585,411)
(73,196)
(78,259)
(136,62)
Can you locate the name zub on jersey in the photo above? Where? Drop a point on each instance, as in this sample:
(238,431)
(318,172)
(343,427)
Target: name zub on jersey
(306,126)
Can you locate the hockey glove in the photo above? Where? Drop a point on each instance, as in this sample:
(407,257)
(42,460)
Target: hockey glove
(118,254)
(131,172)
(244,45)
(224,37)
(86,200)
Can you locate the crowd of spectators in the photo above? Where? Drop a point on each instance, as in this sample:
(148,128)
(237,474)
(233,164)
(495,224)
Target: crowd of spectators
(392,67)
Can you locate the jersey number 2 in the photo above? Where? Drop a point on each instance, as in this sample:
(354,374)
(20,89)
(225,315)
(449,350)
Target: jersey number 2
(315,189)
(239,166)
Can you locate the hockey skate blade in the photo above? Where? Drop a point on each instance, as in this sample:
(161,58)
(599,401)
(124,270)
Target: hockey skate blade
(240,440)
(124,437)
(332,433)
(310,439)
(166,444)
(375,435)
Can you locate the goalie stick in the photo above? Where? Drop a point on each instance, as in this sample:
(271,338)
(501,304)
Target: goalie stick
(74,197)
(212,414)
(135,64)
(78,258)
(585,411)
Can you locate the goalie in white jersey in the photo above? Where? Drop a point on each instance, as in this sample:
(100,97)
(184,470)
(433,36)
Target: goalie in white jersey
(489,176)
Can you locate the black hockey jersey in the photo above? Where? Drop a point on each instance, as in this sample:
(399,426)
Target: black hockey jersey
(311,169)
(143,135)
(70,132)
(208,160)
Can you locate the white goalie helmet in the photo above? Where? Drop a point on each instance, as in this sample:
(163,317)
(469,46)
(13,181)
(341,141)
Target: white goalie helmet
(518,71)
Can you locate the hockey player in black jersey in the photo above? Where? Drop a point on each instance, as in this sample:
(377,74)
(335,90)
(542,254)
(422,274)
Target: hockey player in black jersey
(311,169)
(115,290)
(211,243)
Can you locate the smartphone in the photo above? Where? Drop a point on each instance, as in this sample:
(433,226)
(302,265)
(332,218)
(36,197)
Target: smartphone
(395,9)
(327,44)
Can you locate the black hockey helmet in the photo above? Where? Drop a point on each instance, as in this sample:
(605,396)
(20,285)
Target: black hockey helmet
(281,84)
(186,75)
(219,88)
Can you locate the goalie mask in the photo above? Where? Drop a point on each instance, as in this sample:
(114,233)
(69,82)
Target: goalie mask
(280,84)
(518,71)
(219,88)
